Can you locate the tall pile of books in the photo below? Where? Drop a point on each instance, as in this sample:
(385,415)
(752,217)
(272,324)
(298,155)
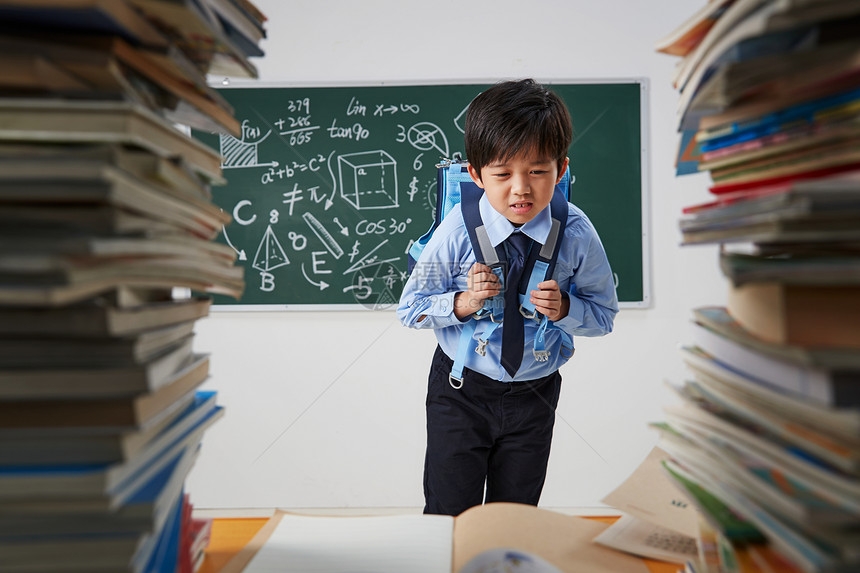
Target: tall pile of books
(765,435)
(106,262)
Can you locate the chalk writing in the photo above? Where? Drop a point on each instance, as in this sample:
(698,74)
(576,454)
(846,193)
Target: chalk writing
(298,128)
(381,227)
(413,189)
(267,281)
(322,285)
(292,197)
(299,105)
(391,109)
(244,152)
(299,241)
(355,108)
(236,213)
(356,132)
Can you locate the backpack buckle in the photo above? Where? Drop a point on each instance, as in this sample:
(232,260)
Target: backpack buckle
(541,355)
(481,349)
(482,314)
(529,313)
(451,379)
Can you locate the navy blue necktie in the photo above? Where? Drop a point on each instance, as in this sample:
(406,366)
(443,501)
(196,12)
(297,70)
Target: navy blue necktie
(513,344)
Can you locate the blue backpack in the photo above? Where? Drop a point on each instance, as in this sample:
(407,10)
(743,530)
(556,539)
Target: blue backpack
(454,185)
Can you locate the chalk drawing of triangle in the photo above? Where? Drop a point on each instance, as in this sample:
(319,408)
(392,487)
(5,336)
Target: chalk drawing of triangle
(270,254)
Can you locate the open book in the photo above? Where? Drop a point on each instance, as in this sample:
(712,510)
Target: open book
(547,541)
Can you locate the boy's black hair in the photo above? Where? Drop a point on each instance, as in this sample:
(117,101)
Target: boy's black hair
(515,117)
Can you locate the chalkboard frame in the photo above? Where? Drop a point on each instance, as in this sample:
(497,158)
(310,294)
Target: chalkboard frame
(645,196)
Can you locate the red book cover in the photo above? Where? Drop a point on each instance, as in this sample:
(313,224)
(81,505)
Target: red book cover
(813,174)
(185,559)
(737,196)
(199,535)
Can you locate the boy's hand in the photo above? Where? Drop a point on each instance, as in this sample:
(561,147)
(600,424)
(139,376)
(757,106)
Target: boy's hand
(482,284)
(549,302)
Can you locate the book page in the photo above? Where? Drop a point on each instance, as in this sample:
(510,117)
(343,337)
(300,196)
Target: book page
(648,540)
(563,541)
(648,494)
(381,544)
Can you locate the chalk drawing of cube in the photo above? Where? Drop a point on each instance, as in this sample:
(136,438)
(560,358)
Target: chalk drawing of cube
(368,180)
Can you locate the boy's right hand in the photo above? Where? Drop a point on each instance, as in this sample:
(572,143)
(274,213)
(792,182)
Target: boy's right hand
(483,284)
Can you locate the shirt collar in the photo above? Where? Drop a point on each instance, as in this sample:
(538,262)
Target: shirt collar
(499,228)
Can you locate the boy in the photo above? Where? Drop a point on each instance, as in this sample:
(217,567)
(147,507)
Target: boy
(495,428)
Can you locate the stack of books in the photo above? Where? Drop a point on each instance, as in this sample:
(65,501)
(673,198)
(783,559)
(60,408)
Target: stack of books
(765,435)
(106,262)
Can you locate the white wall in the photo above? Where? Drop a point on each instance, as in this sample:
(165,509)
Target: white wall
(326,409)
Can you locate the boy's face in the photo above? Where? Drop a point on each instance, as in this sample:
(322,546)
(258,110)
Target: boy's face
(521,187)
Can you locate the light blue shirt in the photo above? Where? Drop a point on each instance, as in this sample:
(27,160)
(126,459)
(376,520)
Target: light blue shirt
(581,270)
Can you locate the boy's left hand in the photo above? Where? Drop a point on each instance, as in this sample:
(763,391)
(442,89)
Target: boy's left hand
(549,302)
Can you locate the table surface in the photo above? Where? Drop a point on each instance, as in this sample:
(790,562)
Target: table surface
(230,535)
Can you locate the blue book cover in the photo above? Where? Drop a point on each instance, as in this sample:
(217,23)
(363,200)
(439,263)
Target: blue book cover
(112,481)
(689,153)
(804,113)
(162,556)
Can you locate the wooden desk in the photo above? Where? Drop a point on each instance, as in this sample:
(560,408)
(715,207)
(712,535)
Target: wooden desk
(230,535)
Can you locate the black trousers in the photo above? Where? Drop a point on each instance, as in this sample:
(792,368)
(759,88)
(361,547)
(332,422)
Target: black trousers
(490,432)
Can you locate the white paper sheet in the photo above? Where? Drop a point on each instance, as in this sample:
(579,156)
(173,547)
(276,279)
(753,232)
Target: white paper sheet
(377,544)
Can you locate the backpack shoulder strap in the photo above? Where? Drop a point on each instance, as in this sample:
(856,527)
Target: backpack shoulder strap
(485,252)
(543,269)
(542,261)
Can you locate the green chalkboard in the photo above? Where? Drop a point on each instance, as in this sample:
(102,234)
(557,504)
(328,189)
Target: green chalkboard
(329,186)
